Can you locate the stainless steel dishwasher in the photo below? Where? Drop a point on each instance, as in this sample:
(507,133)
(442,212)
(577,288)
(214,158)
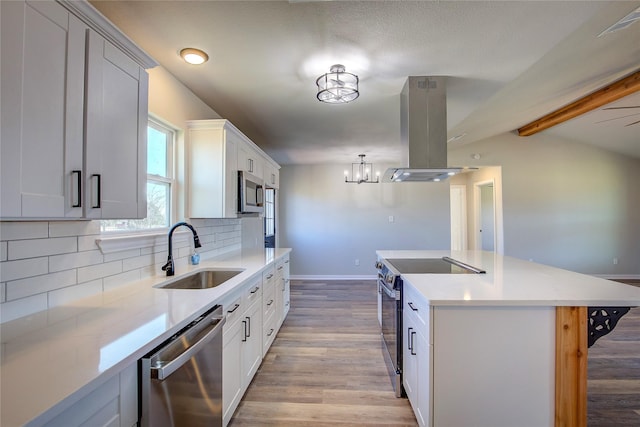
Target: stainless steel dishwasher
(181,380)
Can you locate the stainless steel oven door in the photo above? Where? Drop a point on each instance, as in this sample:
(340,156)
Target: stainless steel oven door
(391,328)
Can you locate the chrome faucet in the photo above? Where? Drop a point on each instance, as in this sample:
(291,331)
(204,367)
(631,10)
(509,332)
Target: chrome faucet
(168,267)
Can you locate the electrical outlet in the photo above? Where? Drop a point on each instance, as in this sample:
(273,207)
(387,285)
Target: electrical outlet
(615,261)
(357,262)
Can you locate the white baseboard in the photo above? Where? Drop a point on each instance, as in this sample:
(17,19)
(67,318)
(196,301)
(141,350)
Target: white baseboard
(327,278)
(618,276)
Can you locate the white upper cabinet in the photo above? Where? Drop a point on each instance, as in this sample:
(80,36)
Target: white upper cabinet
(43,50)
(213,170)
(271,175)
(217,151)
(116,124)
(61,69)
(250,161)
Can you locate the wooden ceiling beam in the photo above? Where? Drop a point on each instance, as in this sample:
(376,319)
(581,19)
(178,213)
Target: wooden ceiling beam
(606,95)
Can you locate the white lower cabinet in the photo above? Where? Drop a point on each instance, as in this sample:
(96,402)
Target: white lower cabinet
(251,327)
(416,354)
(469,365)
(113,403)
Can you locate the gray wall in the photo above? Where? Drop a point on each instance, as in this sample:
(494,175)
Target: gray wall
(565,204)
(329,224)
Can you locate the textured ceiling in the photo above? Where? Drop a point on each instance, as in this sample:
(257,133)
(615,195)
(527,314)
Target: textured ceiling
(506,63)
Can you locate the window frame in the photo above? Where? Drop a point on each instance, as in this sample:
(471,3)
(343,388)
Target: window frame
(172,134)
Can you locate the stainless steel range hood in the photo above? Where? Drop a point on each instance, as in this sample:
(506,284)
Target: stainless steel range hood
(423,132)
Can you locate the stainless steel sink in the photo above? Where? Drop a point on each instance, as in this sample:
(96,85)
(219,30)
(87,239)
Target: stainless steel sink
(202,280)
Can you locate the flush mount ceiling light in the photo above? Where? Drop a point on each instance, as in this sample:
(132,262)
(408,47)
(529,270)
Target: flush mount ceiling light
(194,56)
(361,173)
(337,86)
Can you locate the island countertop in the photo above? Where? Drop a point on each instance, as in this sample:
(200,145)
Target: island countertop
(510,281)
(52,357)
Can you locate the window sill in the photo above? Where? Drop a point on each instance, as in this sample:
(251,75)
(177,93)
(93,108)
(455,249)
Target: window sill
(117,243)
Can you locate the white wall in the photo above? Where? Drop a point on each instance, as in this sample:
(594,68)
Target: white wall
(329,223)
(565,204)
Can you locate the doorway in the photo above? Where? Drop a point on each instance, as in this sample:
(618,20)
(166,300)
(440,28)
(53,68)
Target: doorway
(458,217)
(269,218)
(485,215)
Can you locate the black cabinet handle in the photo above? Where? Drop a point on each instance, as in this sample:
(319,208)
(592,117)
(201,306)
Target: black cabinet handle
(235,307)
(255,290)
(410,304)
(78,175)
(409,341)
(412,335)
(98,189)
(244,330)
(270,332)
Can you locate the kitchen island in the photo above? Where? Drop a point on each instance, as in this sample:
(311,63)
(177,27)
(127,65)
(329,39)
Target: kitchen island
(83,355)
(503,348)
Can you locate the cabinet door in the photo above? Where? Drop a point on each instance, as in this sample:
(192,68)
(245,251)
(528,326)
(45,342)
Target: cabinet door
(252,342)
(271,175)
(43,50)
(116,137)
(232,376)
(423,401)
(287,290)
(250,161)
(409,359)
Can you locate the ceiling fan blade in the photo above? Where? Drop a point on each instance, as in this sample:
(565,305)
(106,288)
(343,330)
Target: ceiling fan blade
(621,108)
(631,124)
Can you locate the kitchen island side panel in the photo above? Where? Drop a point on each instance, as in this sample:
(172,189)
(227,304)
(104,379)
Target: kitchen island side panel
(493,366)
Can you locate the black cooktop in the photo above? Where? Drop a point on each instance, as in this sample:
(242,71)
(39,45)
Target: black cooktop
(444,265)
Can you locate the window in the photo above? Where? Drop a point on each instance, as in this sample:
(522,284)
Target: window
(160,139)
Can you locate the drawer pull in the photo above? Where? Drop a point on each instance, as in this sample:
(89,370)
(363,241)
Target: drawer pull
(409,340)
(270,302)
(410,304)
(270,332)
(281,267)
(235,307)
(269,276)
(257,288)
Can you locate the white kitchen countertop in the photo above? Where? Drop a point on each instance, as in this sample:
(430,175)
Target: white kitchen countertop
(56,354)
(513,282)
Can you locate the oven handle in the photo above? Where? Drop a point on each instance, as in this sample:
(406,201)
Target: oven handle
(390,292)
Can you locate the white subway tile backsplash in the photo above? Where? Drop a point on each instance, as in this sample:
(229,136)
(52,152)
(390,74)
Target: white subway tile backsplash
(87,243)
(71,293)
(73,228)
(35,285)
(45,264)
(20,249)
(13,270)
(23,230)
(23,307)
(121,279)
(99,271)
(121,255)
(74,260)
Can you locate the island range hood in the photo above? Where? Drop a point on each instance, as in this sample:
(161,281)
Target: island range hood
(423,132)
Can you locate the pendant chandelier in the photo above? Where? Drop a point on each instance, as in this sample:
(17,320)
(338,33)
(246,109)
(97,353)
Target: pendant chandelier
(361,173)
(337,86)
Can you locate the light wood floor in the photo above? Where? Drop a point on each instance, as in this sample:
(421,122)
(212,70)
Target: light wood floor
(325,367)
(614,375)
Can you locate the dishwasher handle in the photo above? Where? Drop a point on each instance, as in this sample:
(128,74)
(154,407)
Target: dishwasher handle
(163,371)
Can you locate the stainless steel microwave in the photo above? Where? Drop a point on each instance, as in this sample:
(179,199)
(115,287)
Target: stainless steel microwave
(250,193)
